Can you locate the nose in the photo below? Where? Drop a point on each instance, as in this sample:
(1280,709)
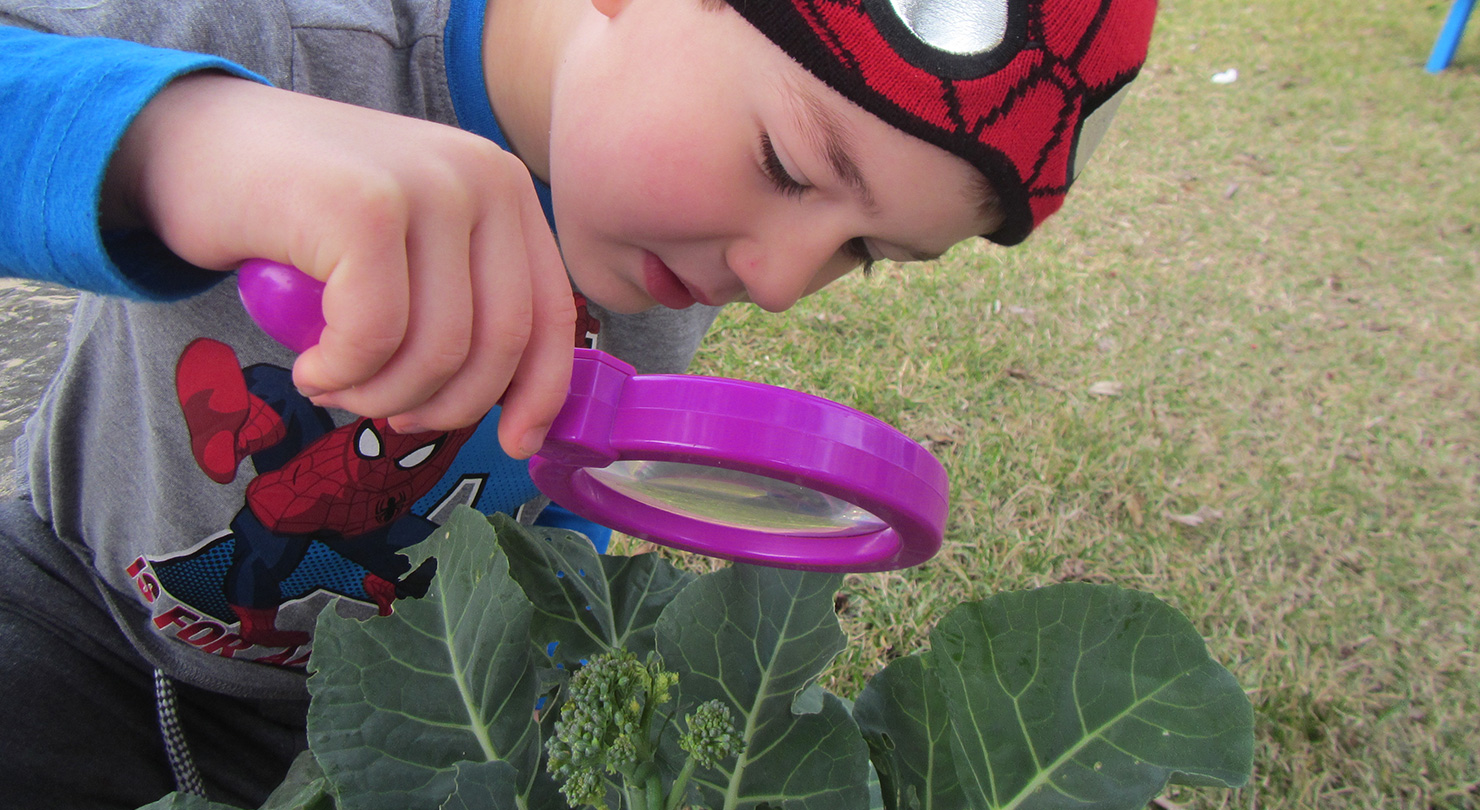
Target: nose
(780,267)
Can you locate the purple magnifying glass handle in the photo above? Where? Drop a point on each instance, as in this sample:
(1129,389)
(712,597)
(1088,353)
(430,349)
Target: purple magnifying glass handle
(287,303)
(726,468)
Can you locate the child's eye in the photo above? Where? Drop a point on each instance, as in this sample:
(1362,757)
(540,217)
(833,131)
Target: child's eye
(776,171)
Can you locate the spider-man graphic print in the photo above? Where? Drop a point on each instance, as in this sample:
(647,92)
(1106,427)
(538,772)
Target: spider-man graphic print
(328,511)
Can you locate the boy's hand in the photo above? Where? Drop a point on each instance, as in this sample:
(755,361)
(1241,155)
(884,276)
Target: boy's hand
(444,287)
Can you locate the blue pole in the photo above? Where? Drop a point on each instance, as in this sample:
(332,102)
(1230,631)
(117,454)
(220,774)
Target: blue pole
(1454,28)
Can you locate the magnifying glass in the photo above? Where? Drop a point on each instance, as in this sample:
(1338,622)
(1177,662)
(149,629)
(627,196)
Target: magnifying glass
(726,468)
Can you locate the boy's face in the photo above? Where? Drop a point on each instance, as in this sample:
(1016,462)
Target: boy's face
(691,159)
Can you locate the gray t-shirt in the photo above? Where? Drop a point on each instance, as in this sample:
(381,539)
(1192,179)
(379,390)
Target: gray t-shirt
(216,505)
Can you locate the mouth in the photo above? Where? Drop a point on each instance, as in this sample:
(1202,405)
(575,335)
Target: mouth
(665,287)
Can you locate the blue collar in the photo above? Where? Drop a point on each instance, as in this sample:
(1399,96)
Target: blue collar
(462,43)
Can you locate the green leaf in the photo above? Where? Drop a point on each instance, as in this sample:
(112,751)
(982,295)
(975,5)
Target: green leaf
(875,790)
(186,801)
(304,788)
(903,716)
(587,602)
(1079,693)
(484,786)
(757,638)
(398,702)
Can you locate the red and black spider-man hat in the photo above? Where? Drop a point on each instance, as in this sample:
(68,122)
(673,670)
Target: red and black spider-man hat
(1022,89)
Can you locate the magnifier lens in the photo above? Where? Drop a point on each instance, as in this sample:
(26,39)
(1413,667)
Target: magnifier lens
(736,499)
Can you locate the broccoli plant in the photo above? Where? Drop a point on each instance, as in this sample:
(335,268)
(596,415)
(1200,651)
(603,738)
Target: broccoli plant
(609,724)
(537,674)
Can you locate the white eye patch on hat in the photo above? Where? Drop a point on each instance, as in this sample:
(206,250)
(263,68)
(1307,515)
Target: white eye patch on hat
(961,27)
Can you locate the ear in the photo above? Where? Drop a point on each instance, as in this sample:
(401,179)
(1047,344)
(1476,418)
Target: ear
(610,8)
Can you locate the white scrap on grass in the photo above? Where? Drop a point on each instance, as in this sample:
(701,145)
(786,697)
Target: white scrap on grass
(1203,516)
(1226,77)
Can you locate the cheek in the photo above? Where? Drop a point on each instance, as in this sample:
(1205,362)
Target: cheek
(650,169)
(667,187)
(687,185)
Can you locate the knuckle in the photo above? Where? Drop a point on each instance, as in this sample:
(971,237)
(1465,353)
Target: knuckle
(375,347)
(487,153)
(562,311)
(375,200)
(444,359)
(351,362)
(509,336)
(463,161)
(502,173)
(445,183)
(451,416)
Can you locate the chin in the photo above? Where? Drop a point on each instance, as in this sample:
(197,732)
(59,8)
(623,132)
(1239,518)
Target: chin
(621,301)
(611,290)
(626,308)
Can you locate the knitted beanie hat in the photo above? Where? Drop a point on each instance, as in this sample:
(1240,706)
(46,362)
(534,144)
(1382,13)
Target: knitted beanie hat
(1022,89)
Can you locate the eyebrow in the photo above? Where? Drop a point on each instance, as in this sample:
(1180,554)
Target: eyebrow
(826,131)
(822,127)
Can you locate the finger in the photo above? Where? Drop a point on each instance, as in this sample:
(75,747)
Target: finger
(503,304)
(439,325)
(542,381)
(364,304)
(499,332)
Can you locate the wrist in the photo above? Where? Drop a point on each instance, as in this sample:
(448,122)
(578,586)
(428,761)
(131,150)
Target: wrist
(122,205)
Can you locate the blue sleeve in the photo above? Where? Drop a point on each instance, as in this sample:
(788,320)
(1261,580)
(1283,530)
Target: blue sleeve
(67,102)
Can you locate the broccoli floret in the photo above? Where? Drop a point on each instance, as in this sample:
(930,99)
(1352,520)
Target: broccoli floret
(583,787)
(711,735)
(605,724)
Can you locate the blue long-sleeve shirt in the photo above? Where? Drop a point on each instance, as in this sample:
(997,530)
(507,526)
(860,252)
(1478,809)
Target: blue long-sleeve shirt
(67,103)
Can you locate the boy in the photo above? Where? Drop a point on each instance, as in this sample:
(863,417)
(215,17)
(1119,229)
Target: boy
(193,503)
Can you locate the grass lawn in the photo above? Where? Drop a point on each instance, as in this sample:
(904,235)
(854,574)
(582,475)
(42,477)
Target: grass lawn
(1241,370)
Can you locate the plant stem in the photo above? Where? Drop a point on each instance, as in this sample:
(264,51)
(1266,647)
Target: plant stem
(655,791)
(680,785)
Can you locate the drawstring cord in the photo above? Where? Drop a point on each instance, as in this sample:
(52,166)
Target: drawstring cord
(182,764)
